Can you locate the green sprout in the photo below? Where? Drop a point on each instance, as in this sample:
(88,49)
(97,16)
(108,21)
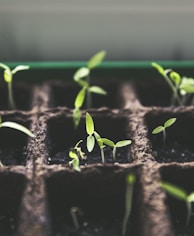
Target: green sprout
(82,77)
(182,87)
(93,136)
(16,126)
(8,77)
(163,128)
(76,212)
(116,145)
(180,194)
(76,153)
(130,181)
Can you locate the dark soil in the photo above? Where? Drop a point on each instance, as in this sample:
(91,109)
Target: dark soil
(173,153)
(122,156)
(104,227)
(13,156)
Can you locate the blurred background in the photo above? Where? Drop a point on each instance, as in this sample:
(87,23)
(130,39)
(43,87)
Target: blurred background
(54,30)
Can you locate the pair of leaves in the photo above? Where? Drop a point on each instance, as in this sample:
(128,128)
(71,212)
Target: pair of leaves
(118,144)
(167,124)
(90,132)
(93,62)
(8,73)
(185,85)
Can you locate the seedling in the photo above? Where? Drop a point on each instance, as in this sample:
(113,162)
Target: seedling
(93,136)
(130,181)
(76,153)
(14,125)
(116,145)
(163,128)
(82,77)
(182,195)
(76,212)
(181,87)
(8,77)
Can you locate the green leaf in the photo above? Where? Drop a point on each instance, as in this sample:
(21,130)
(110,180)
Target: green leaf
(99,140)
(76,117)
(7,76)
(89,124)
(13,125)
(190,198)
(96,59)
(72,154)
(108,142)
(159,68)
(5,67)
(19,68)
(75,164)
(80,98)
(90,143)
(81,73)
(187,85)
(175,191)
(175,77)
(169,122)
(123,143)
(97,89)
(158,130)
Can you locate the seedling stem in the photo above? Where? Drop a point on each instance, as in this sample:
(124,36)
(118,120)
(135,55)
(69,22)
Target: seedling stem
(130,181)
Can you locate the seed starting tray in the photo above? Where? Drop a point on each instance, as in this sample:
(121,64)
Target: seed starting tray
(37,193)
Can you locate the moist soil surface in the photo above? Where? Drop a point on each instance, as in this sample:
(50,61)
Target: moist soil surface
(92,228)
(174,153)
(122,156)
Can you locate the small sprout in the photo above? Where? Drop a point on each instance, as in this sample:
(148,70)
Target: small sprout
(90,132)
(162,129)
(76,153)
(182,88)
(92,136)
(76,212)
(82,77)
(116,145)
(8,77)
(78,104)
(14,125)
(130,181)
(180,194)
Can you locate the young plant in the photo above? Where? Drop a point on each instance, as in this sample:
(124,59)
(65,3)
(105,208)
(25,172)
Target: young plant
(181,87)
(93,136)
(16,126)
(162,129)
(116,145)
(76,212)
(8,77)
(76,154)
(82,77)
(182,195)
(130,181)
